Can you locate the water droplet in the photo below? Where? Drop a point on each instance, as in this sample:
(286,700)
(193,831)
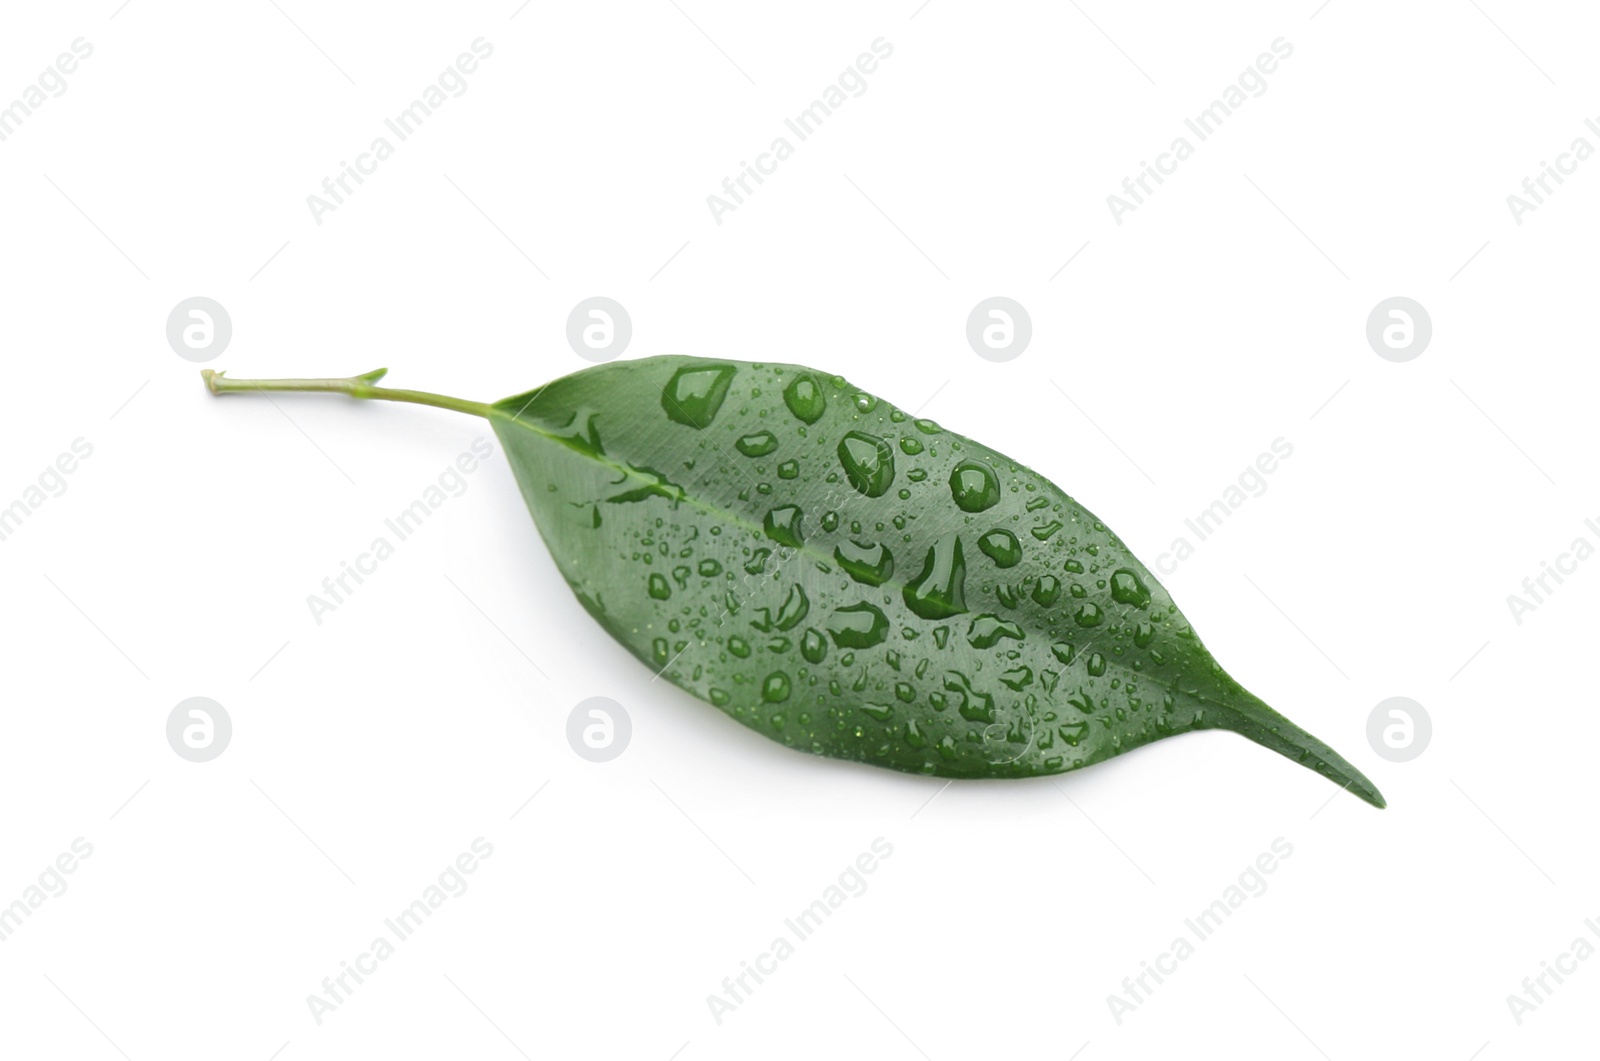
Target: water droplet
(719,697)
(788,470)
(695,393)
(1017,678)
(659,588)
(775,688)
(813,646)
(904,692)
(868,463)
(782,525)
(879,712)
(1127,589)
(830,521)
(970,704)
(1047,591)
(858,626)
(1002,547)
(1074,566)
(710,569)
(1046,532)
(1095,664)
(869,564)
(914,735)
(739,647)
(927,427)
(658,651)
(974,486)
(1088,614)
(757,445)
(805,398)
(865,402)
(910,446)
(940,590)
(795,607)
(947,747)
(986,630)
(1064,651)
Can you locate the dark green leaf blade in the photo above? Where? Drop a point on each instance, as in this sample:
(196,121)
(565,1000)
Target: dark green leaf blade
(859,584)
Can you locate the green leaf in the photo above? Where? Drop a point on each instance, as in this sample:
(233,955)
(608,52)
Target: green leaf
(853,582)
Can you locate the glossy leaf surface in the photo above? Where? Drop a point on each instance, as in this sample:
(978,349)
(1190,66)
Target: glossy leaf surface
(856,583)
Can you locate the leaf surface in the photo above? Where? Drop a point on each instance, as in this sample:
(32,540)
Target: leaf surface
(856,583)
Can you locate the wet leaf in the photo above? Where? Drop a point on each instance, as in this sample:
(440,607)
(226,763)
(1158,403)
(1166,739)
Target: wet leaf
(923,578)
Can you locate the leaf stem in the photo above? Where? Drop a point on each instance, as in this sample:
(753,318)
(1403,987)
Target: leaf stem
(355,386)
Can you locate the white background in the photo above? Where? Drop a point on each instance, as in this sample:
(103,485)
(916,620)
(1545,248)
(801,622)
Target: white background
(368,751)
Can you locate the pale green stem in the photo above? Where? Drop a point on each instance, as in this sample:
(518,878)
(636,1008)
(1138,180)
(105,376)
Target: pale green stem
(355,386)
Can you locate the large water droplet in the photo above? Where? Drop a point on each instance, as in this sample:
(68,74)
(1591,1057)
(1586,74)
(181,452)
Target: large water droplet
(858,626)
(775,689)
(974,486)
(813,646)
(782,525)
(986,630)
(1088,614)
(694,393)
(757,445)
(869,564)
(971,704)
(868,463)
(1017,678)
(940,591)
(914,735)
(1002,547)
(794,609)
(659,588)
(805,398)
(1127,589)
